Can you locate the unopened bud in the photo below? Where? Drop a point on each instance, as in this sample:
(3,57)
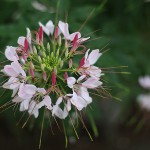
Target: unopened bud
(52,55)
(42,67)
(48,47)
(61,63)
(44,76)
(31,65)
(39,59)
(65,75)
(56,32)
(32,72)
(70,63)
(44,54)
(34,50)
(53,78)
(82,62)
(66,53)
(57,53)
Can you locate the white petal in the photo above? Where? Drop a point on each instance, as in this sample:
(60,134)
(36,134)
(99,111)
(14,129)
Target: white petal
(92,83)
(10,71)
(83,39)
(94,56)
(33,110)
(64,29)
(71,81)
(47,102)
(24,105)
(41,90)
(48,28)
(11,54)
(145,82)
(17,99)
(57,111)
(83,92)
(71,36)
(14,91)
(21,40)
(81,78)
(28,35)
(26,91)
(77,101)
(93,71)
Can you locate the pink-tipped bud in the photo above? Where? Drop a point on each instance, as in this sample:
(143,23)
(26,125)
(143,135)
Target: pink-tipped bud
(54,78)
(26,45)
(44,76)
(56,32)
(70,63)
(82,62)
(32,72)
(40,34)
(66,75)
(75,43)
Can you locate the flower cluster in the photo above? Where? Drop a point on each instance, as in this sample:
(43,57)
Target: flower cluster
(44,72)
(144,99)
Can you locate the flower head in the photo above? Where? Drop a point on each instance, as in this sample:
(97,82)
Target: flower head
(43,71)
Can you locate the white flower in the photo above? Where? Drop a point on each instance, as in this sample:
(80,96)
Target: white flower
(65,31)
(27,91)
(48,28)
(145,82)
(21,39)
(45,102)
(144,101)
(80,97)
(11,54)
(57,111)
(14,70)
(33,110)
(13,84)
(89,61)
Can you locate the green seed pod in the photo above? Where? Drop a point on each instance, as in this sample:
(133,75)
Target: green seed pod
(34,50)
(66,53)
(61,63)
(31,65)
(48,47)
(44,54)
(43,67)
(57,53)
(39,59)
(52,55)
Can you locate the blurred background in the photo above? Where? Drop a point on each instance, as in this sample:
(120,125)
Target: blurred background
(122,31)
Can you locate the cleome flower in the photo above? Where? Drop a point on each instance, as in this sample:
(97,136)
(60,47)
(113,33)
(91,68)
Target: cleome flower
(144,99)
(43,71)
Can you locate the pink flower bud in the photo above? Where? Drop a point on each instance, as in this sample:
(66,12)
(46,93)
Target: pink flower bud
(66,75)
(56,33)
(74,45)
(40,34)
(70,63)
(54,78)
(82,62)
(32,72)
(26,45)
(44,76)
